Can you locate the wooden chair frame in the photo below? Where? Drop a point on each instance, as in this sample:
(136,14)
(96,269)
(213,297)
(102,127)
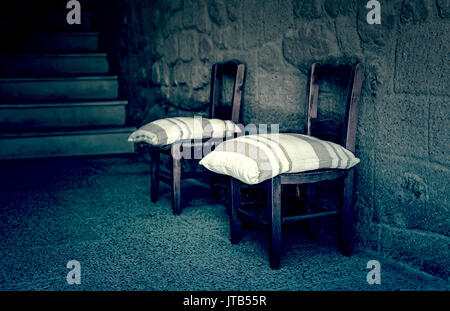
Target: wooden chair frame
(274,219)
(237,71)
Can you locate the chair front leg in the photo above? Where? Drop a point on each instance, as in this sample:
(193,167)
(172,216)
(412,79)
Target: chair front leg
(154,169)
(176,186)
(235,221)
(274,198)
(346,224)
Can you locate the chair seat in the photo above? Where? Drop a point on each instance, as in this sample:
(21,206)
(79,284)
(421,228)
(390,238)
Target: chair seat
(313,176)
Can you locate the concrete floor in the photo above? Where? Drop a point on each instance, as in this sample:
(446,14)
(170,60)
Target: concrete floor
(97,210)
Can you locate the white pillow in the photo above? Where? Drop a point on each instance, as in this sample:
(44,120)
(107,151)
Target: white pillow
(255,158)
(170,130)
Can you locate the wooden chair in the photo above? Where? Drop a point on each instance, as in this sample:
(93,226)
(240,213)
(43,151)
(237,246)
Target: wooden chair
(274,219)
(232,69)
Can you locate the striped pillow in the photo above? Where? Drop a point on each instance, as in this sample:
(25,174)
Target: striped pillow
(170,130)
(255,158)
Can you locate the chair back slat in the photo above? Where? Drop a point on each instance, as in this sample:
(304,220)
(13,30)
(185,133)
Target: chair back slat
(351,116)
(344,134)
(215,90)
(312,97)
(235,70)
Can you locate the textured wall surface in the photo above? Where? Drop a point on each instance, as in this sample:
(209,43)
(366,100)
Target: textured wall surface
(166,49)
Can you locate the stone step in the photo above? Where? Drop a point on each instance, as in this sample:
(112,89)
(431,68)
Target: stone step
(45,144)
(58,89)
(62,115)
(71,42)
(52,64)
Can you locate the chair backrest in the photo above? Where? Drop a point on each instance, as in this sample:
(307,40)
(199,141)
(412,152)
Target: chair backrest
(235,70)
(345,134)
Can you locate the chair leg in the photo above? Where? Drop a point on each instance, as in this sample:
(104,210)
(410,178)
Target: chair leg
(212,187)
(274,197)
(346,224)
(313,224)
(176,186)
(154,169)
(235,222)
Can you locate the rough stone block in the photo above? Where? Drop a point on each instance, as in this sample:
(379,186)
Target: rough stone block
(414,11)
(202,96)
(189,13)
(270,57)
(205,47)
(188,45)
(439,130)
(348,38)
(278,18)
(217,37)
(181,73)
(429,252)
(174,24)
(200,76)
(181,96)
(252,23)
(364,180)
(171,49)
(380,71)
(312,42)
(423,61)
(233,9)
(161,73)
(195,15)
(403,125)
(444,8)
(367,121)
(217,11)
(158,46)
(232,36)
(308,8)
(411,194)
(202,23)
(340,7)
(438,179)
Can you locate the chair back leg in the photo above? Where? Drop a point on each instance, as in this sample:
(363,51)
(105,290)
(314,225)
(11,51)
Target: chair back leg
(274,200)
(154,170)
(176,186)
(235,221)
(346,223)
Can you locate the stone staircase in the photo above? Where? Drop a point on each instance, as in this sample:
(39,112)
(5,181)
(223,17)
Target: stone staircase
(57,97)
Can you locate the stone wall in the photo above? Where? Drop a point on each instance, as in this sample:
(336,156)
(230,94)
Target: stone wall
(166,49)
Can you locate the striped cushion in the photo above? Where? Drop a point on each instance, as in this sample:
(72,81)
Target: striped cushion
(255,158)
(168,131)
